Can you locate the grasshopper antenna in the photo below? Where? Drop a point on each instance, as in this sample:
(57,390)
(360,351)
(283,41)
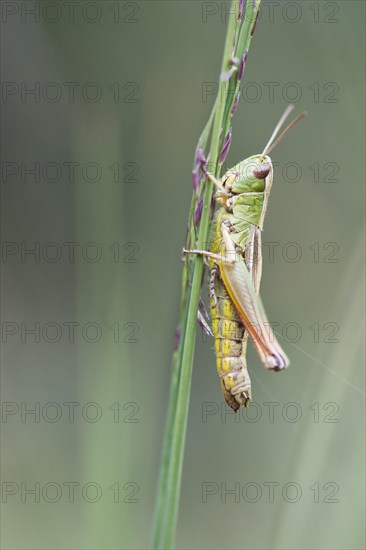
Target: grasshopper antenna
(270,145)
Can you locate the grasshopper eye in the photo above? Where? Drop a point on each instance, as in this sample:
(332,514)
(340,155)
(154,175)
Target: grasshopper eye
(262,171)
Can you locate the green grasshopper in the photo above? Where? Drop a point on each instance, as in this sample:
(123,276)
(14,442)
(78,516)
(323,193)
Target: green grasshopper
(235,263)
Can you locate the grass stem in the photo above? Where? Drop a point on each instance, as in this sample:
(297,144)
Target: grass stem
(238,37)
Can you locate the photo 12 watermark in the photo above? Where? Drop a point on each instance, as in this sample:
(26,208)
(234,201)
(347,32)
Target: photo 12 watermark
(271,91)
(72,92)
(29,12)
(271,412)
(327,13)
(69,332)
(70,492)
(270,492)
(69,252)
(69,412)
(68,172)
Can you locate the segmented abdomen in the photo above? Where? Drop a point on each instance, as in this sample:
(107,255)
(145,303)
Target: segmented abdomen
(230,345)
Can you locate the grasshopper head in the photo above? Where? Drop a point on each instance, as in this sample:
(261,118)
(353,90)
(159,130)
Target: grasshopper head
(249,175)
(254,174)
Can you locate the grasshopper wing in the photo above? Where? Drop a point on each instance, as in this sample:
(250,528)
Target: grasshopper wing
(243,293)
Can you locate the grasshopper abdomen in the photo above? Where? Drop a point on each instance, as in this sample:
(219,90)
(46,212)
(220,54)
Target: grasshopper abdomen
(230,346)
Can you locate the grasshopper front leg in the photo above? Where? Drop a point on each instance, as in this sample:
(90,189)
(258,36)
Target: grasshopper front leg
(227,259)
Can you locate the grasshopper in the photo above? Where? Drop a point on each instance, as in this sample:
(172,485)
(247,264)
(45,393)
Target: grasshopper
(235,264)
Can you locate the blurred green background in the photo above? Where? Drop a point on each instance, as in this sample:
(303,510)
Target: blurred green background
(122,92)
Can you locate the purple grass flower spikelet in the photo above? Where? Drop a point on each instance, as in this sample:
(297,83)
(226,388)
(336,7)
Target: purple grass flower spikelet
(256,20)
(241,10)
(195,181)
(235,104)
(200,158)
(200,164)
(198,212)
(176,339)
(243,61)
(225,148)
